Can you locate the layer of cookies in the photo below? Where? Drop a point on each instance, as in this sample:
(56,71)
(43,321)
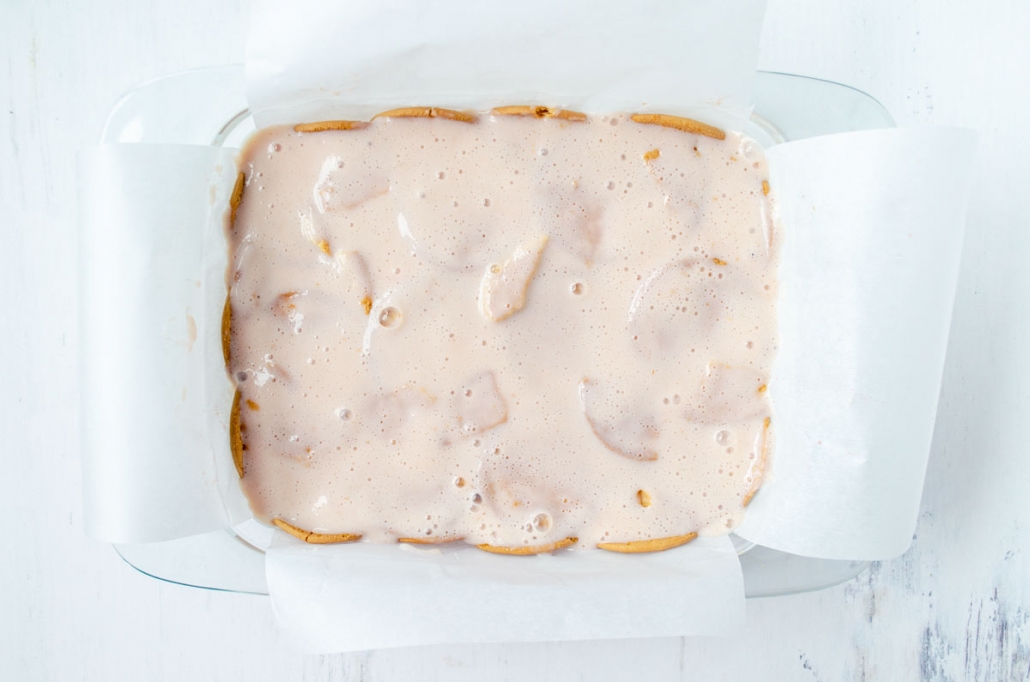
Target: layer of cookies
(524,330)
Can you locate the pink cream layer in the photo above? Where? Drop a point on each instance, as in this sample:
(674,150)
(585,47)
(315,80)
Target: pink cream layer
(503,331)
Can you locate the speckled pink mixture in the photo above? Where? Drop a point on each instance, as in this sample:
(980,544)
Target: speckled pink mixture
(556,322)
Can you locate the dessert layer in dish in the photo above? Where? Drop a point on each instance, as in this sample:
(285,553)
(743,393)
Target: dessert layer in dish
(524,329)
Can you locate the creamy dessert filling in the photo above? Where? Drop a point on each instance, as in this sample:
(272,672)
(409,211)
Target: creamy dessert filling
(524,330)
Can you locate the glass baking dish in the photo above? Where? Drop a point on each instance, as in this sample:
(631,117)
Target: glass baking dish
(209,107)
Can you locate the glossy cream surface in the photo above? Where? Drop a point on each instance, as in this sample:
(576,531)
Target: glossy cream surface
(509,332)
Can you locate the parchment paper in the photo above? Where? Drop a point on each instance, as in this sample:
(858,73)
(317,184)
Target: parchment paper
(349,598)
(362,57)
(874,223)
(155,453)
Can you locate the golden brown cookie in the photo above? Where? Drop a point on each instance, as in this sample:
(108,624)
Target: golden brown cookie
(526,551)
(687,125)
(315,538)
(428,112)
(322,126)
(654,545)
(235,435)
(429,540)
(538,112)
(226,330)
(236,198)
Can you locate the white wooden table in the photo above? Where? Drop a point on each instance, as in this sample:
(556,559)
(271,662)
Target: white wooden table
(956,607)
